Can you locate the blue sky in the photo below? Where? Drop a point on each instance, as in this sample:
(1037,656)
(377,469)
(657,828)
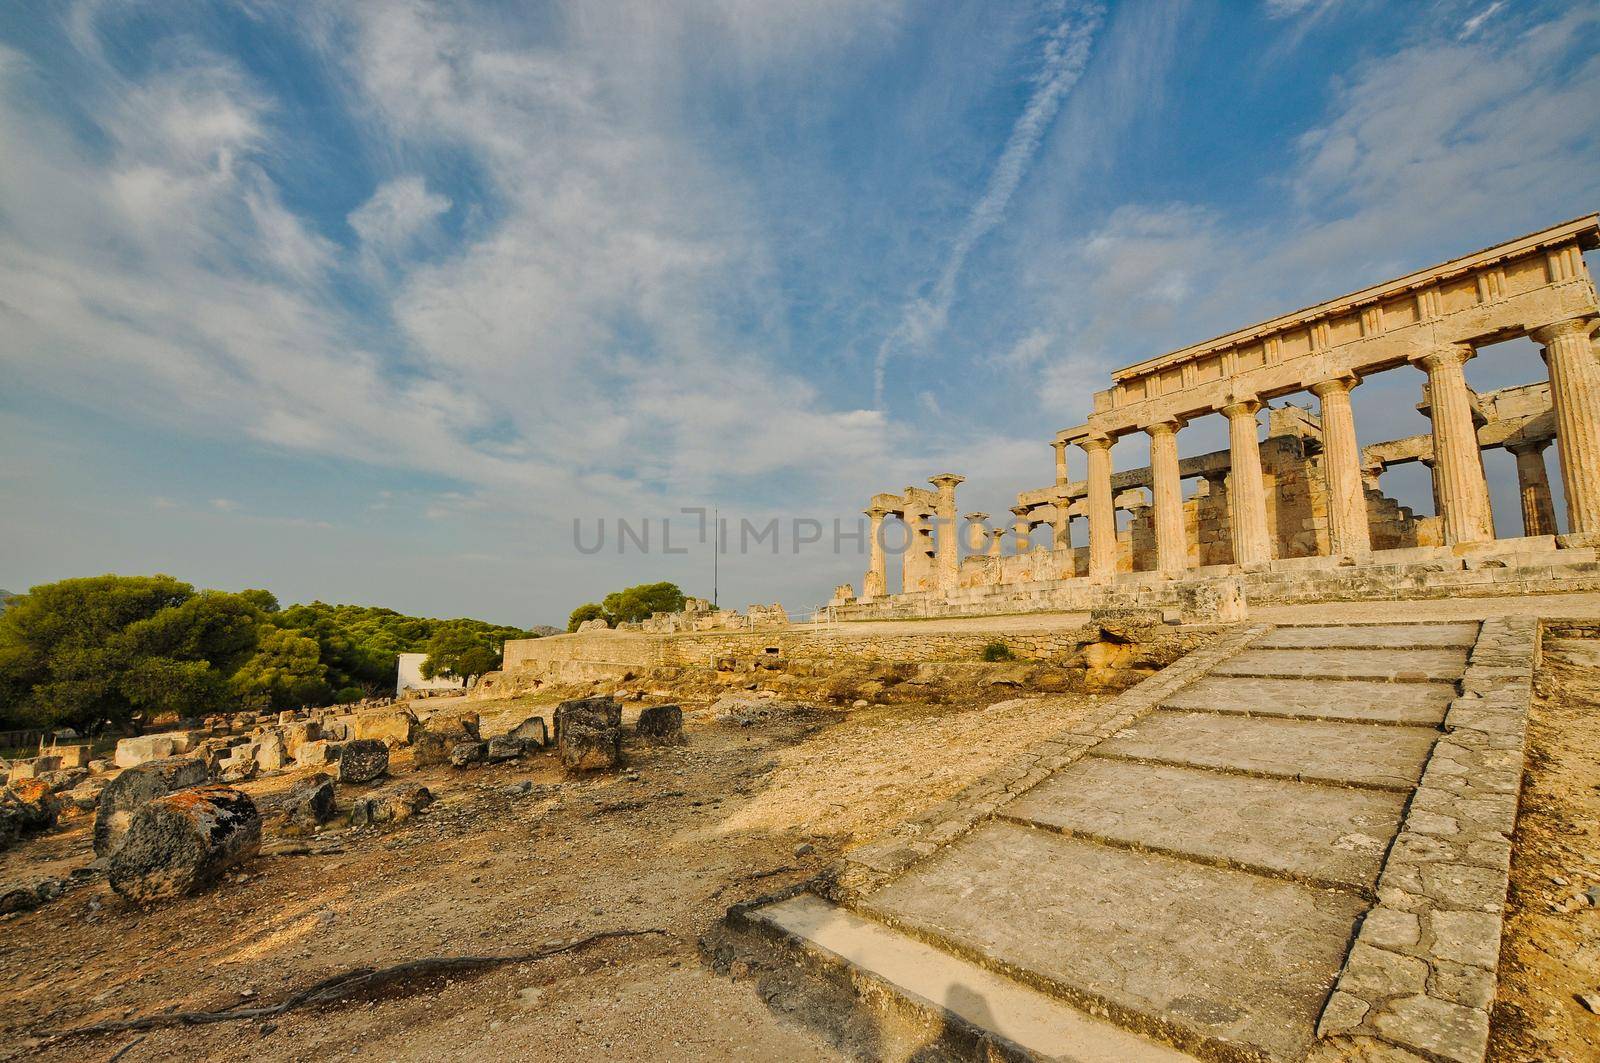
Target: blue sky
(368,302)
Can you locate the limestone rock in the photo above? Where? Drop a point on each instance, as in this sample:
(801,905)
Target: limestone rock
(505,747)
(26,896)
(26,808)
(588,745)
(132,752)
(392,804)
(127,793)
(442,733)
(317,753)
(311,800)
(363,760)
(596,710)
(179,843)
(597,624)
(297,734)
(663,723)
(532,731)
(270,751)
(394,726)
(465,753)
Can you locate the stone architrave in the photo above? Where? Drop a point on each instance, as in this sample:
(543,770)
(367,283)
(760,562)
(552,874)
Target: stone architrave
(1247,500)
(1102,515)
(1575,394)
(875,583)
(1458,463)
(948,549)
(1533,487)
(1349,535)
(1172,552)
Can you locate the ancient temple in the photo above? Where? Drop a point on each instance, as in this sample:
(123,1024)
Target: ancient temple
(1302,511)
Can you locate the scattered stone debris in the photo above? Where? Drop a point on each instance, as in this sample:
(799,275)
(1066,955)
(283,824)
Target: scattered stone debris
(532,730)
(392,804)
(463,754)
(663,723)
(311,801)
(363,760)
(437,739)
(589,733)
(130,791)
(181,842)
(26,807)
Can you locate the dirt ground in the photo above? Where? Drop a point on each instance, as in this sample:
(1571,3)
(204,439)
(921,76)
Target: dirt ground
(669,844)
(1550,956)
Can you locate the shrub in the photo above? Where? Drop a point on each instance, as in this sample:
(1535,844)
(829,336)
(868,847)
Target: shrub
(998,651)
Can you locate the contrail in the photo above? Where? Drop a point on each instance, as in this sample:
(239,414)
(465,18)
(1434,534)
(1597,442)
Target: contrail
(1065,53)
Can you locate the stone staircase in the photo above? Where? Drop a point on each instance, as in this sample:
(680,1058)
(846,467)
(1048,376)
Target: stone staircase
(1183,880)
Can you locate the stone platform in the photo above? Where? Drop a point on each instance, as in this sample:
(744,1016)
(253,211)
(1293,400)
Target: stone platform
(1187,870)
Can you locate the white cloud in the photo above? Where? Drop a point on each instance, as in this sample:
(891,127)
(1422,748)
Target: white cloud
(400,212)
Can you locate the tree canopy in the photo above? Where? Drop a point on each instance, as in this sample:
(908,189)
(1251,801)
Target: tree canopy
(116,648)
(630,605)
(461,652)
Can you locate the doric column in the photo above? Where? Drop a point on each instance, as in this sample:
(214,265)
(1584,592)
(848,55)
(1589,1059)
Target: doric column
(875,584)
(997,537)
(1061,526)
(1020,527)
(1172,551)
(1247,500)
(948,548)
(1457,462)
(1348,531)
(1061,460)
(1575,393)
(977,533)
(1102,516)
(1533,487)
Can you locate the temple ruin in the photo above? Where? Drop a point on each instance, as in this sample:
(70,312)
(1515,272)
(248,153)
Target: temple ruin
(1302,513)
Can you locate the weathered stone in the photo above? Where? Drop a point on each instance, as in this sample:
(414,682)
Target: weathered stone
(297,734)
(505,747)
(1436,1027)
(135,787)
(531,730)
(132,752)
(392,804)
(270,754)
(664,723)
(179,843)
(26,896)
(586,743)
(33,767)
(394,726)
(1470,938)
(599,711)
(465,753)
(1343,1013)
(26,807)
(316,754)
(362,760)
(1388,928)
(311,800)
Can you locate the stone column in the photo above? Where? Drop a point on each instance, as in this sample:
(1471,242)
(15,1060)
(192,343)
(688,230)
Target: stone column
(1348,531)
(1247,500)
(948,548)
(1533,487)
(1061,460)
(875,584)
(1172,551)
(996,541)
(1102,515)
(1061,526)
(977,533)
(1575,393)
(1020,527)
(1457,462)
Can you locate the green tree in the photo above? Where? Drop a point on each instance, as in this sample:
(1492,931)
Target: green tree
(114,647)
(584,613)
(639,602)
(460,653)
(285,672)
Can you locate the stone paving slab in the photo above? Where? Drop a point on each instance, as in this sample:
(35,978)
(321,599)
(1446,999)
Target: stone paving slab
(1355,700)
(1321,751)
(1320,834)
(1394,665)
(1207,954)
(1365,636)
(938,982)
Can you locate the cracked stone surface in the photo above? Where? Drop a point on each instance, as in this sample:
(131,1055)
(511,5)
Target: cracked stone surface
(1366,635)
(1397,665)
(1357,701)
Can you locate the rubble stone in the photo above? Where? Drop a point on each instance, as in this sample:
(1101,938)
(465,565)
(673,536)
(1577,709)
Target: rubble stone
(179,843)
(664,723)
(532,730)
(465,753)
(26,807)
(127,793)
(394,726)
(363,760)
(311,800)
(392,804)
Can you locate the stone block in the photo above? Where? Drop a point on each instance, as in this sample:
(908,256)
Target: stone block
(394,726)
(136,787)
(34,767)
(662,723)
(532,731)
(363,760)
(181,842)
(297,733)
(269,751)
(316,754)
(71,756)
(132,752)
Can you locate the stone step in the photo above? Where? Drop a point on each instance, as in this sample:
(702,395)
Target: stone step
(1218,961)
(1328,836)
(1396,666)
(1366,636)
(1355,700)
(953,992)
(1343,754)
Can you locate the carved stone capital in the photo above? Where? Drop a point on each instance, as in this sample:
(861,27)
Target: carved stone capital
(1339,383)
(1458,353)
(1575,326)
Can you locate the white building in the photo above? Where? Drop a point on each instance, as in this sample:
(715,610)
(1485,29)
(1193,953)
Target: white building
(409,676)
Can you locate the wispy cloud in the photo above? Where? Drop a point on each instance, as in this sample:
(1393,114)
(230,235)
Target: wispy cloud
(1064,54)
